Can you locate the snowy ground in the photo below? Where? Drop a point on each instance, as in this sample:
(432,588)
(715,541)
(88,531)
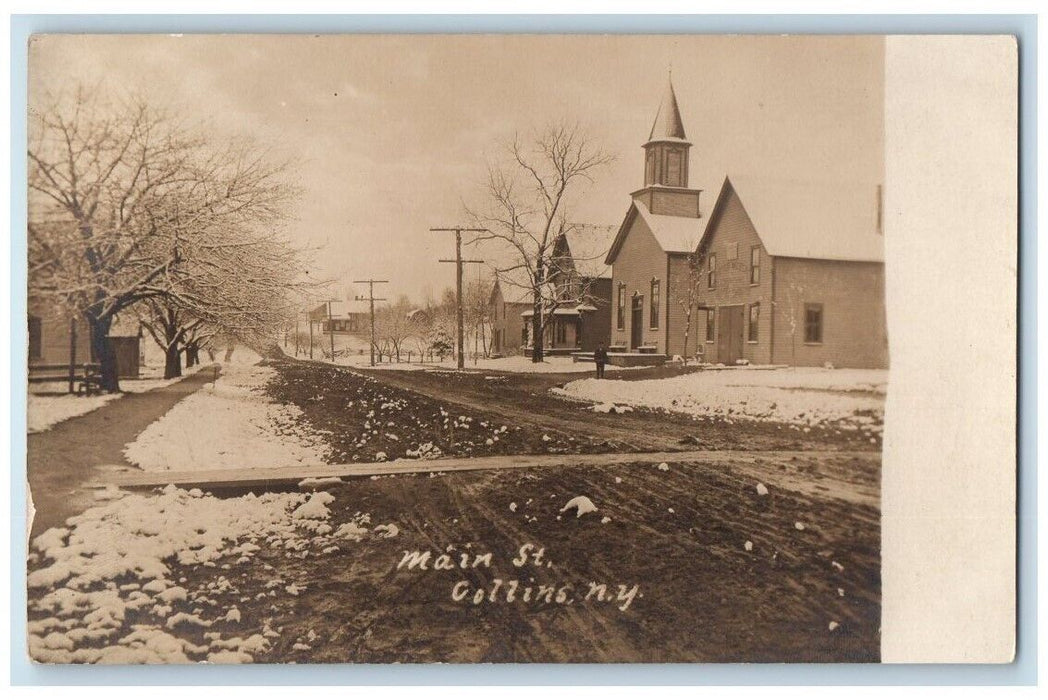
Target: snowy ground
(48,404)
(45,411)
(102,590)
(798,396)
(515,364)
(227,424)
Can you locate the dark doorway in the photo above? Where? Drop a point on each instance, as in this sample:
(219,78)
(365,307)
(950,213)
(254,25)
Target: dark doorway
(637,321)
(729,342)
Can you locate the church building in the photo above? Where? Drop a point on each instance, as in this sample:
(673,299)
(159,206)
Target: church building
(765,271)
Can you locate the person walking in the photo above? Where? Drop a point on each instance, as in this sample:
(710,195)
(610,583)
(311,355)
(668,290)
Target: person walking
(600,356)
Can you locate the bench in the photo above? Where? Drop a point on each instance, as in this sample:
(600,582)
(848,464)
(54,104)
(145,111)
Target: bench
(83,378)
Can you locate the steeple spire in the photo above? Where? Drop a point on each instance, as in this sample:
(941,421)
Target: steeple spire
(668,124)
(666,152)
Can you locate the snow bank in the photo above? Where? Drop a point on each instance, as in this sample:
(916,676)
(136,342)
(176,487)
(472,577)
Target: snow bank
(802,396)
(123,557)
(227,424)
(44,412)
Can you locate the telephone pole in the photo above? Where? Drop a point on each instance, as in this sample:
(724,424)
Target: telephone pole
(371,298)
(459,262)
(331,328)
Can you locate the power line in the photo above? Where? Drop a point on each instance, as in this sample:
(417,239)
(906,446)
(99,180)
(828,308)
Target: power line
(371,298)
(459,262)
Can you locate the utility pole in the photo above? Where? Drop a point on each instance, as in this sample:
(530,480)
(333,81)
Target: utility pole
(459,262)
(331,329)
(371,299)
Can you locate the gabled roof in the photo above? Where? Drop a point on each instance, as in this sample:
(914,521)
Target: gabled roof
(588,246)
(668,124)
(675,234)
(793,219)
(825,221)
(514,285)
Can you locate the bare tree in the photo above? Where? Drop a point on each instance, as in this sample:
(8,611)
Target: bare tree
(126,204)
(393,326)
(476,313)
(528,201)
(687,294)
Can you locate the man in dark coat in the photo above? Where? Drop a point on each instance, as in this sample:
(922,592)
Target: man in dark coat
(600,356)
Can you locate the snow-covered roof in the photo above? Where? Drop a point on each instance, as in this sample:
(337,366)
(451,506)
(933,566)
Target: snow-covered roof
(588,245)
(794,219)
(825,221)
(675,234)
(562,311)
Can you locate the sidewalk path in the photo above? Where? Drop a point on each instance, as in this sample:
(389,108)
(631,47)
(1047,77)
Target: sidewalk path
(63,460)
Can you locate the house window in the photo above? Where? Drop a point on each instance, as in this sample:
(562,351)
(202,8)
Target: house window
(620,317)
(755,314)
(36,339)
(710,315)
(562,332)
(654,304)
(755,264)
(711,272)
(813,323)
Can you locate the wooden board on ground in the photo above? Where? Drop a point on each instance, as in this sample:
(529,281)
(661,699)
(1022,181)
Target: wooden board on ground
(286,476)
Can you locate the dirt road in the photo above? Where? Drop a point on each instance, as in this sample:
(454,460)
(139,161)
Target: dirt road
(660,572)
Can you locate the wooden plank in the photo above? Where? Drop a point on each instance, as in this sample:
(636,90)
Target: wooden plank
(273,477)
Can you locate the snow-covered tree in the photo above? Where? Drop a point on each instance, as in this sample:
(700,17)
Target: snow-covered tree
(128,204)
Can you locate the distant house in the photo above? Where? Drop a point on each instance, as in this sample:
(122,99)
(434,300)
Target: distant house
(581,275)
(507,303)
(773,272)
(343,317)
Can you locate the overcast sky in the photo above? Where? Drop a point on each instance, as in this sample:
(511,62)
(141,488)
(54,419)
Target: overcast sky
(392,133)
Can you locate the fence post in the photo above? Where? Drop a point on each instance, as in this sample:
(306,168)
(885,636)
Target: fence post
(72,354)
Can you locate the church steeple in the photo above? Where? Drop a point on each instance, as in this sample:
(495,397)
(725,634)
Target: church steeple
(666,152)
(666,190)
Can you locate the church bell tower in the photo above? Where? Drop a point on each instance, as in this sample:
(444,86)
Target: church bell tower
(666,156)
(666,152)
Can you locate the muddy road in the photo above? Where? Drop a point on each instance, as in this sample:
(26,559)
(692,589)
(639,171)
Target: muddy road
(524,404)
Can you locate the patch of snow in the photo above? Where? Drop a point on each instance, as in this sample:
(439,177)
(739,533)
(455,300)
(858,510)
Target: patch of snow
(46,411)
(227,424)
(762,490)
(663,467)
(582,504)
(803,396)
(387,531)
(138,537)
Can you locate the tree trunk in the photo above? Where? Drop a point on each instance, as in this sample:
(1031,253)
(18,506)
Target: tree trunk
(103,352)
(192,354)
(229,353)
(172,361)
(536,331)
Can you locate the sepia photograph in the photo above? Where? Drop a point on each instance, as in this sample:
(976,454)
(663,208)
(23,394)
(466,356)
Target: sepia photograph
(456,348)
